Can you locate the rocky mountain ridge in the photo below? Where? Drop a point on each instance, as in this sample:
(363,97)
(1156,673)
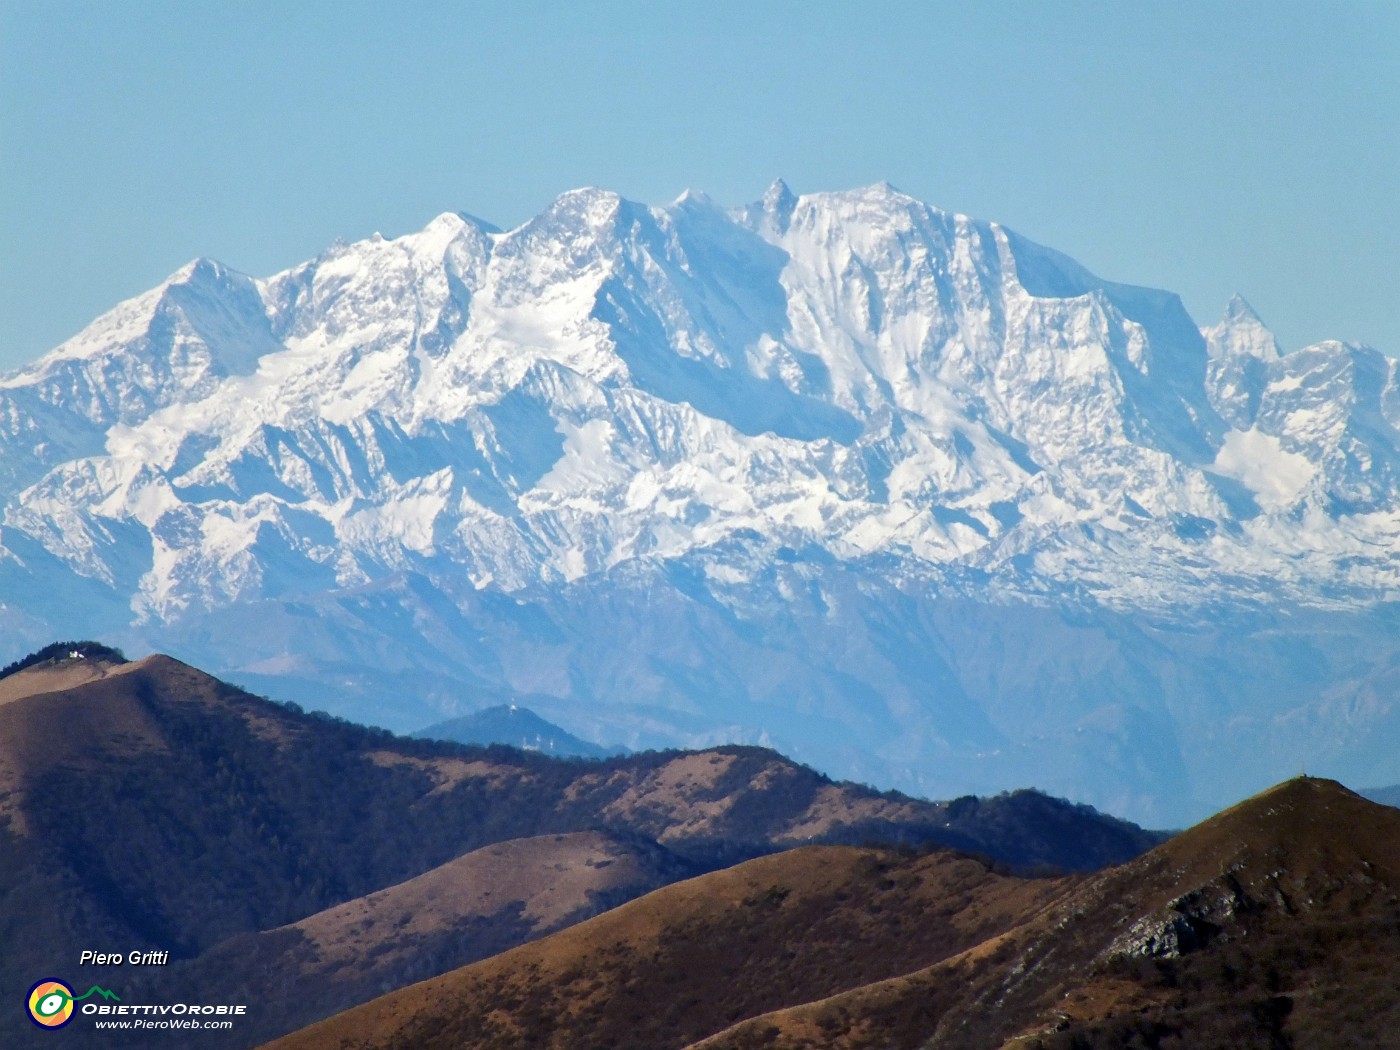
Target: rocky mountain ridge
(781,449)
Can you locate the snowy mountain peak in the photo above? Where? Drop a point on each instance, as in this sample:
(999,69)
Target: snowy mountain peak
(795,427)
(694,197)
(1238,310)
(456,222)
(879,199)
(773,212)
(778,196)
(1241,331)
(882,190)
(921,364)
(590,204)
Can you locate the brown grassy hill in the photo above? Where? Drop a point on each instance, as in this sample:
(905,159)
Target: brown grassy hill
(665,970)
(1276,924)
(542,882)
(147,805)
(55,675)
(44,725)
(474,906)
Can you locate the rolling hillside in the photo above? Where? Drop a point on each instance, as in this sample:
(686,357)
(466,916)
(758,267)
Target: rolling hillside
(150,806)
(1271,925)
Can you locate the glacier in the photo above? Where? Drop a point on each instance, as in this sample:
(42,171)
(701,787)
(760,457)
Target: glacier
(897,491)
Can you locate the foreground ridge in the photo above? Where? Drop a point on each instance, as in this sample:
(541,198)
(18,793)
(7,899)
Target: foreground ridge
(303,864)
(1270,924)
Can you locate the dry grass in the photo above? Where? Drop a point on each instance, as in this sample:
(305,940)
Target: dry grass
(448,773)
(667,969)
(156,806)
(53,676)
(548,878)
(833,807)
(58,715)
(682,793)
(1295,895)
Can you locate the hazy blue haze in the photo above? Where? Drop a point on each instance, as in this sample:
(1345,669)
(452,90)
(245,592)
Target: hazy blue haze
(1177,145)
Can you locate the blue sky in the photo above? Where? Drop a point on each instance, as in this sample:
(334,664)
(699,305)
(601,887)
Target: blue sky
(1203,147)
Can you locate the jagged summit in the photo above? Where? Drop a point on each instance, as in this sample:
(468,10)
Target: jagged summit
(768,446)
(778,196)
(112,333)
(1238,309)
(774,211)
(1241,332)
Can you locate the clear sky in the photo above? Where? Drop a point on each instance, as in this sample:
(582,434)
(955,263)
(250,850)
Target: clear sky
(1203,147)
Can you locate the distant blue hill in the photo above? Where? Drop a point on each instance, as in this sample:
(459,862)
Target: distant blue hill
(519,727)
(1386,796)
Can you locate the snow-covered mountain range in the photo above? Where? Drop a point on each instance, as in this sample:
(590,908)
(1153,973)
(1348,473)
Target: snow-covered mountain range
(898,491)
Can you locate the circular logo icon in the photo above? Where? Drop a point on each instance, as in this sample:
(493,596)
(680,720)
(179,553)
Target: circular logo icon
(51,1004)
